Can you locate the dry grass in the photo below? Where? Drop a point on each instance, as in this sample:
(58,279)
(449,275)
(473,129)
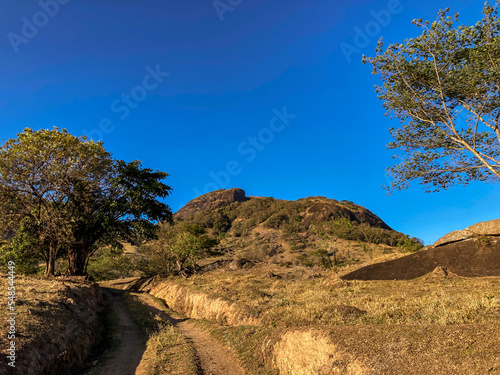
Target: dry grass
(40,305)
(422,326)
(296,300)
(168,352)
(54,317)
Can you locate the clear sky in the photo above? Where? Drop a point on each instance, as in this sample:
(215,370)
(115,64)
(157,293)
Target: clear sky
(269,96)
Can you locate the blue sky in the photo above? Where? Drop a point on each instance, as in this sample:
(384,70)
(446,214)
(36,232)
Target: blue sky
(269,96)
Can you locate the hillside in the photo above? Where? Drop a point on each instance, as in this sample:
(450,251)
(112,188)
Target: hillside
(309,231)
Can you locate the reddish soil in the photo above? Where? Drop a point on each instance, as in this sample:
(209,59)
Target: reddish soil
(471,258)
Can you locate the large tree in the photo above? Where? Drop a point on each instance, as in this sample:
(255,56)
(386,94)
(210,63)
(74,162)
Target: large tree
(68,196)
(444,87)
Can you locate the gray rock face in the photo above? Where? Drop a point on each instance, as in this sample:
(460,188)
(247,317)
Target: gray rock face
(485,228)
(488,228)
(455,236)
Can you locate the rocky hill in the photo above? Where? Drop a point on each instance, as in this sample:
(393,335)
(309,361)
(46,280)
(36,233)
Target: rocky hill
(312,230)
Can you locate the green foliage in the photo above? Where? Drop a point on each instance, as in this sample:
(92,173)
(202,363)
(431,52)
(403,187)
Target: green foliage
(411,245)
(361,232)
(322,257)
(276,221)
(220,222)
(25,263)
(443,86)
(178,246)
(315,258)
(110,263)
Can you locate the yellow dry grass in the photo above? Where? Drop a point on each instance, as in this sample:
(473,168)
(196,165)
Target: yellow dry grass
(313,322)
(296,300)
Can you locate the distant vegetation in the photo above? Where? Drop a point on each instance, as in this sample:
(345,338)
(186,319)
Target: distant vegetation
(263,226)
(66,202)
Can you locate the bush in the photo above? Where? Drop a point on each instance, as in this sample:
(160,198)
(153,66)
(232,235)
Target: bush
(276,221)
(411,245)
(354,231)
(25,263)
(110,263)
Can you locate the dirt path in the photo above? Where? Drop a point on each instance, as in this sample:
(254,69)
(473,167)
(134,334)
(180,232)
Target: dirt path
(127,357)
(214,358)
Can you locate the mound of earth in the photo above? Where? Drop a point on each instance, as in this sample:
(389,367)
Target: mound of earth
(213,200)
(467,258)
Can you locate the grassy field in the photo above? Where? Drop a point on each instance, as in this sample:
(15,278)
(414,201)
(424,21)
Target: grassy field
(430,325)
(303,297)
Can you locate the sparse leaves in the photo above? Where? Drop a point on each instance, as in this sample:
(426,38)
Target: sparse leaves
(444,87)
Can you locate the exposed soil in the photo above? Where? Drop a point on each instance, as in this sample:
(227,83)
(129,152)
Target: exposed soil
(470,258)
(213,357)
(127,357)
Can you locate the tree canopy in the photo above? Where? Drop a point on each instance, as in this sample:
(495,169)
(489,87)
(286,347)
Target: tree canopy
(444,88)
(65,195)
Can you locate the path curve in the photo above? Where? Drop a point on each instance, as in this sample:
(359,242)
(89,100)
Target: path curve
(213,357)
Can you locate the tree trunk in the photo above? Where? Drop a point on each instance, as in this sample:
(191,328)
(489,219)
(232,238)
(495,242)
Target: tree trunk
(77,260)
(50,266)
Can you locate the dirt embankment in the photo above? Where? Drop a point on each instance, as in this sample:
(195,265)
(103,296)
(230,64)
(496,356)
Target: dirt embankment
(191,304)
(57,324)
(312,352)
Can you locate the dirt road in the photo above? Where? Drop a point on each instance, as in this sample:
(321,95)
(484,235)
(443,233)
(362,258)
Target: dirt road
(127,357)
(213,357)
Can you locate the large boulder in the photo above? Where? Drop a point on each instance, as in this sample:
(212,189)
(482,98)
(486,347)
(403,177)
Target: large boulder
(472,258)
(485,228)
(455,236)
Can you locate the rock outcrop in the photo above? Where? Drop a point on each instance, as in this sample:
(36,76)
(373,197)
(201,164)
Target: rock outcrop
(213,200)
(471,252)
(485,228)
